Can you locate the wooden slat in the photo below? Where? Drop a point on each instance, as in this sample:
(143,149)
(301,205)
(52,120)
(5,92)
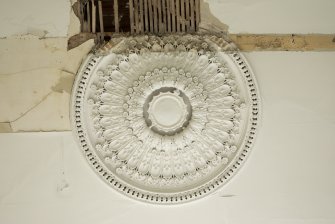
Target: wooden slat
(284,42)
(94,17)
(173,16)
(178,15)
(159,9)
(256,42)
(141,17)
(164,16)
(137,25)
(197,13)
(116,16)
(156,16)
(168,16)
(131,16)
(79,39)
(187,15)
(154,4)
(101,21)
(81,17)
(192,15)
(146,15)
(182,15)
(151,19)
(88,12)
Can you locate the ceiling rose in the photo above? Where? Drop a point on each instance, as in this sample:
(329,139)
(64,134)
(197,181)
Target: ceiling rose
(165,119)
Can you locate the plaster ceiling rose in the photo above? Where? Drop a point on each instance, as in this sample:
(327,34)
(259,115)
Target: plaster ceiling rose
(165,119)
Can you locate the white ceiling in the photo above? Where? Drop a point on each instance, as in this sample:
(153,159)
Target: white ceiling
(288,178)
(276,16)
(51,17)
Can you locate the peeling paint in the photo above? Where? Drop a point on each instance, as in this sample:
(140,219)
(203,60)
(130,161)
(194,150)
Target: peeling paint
(75,9)
(209,22)
(41,34)
(51,47)
(74,24)
(64,83)
(5,127)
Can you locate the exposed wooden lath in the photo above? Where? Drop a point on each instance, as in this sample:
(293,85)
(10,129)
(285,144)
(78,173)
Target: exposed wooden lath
(103,16)
(164,16)
(139,16)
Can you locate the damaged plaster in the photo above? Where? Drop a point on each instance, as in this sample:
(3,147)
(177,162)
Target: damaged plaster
(50,114)
(18,55)
(36,78)
(5,127)
(64,83)
(37,68)
(210,23)
(74,23)
(46,18)
(43,104)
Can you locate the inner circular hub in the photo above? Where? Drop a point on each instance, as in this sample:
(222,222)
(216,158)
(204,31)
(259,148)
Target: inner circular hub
(167,111)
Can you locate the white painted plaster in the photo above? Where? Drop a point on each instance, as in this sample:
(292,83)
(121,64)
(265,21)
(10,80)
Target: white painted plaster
(31,69)
(19,55)
(43,18)
(51,114)
(275,16)
(46,180)
(24,90)
(287,179)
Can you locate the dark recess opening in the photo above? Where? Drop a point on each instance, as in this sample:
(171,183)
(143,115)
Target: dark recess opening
(139,16)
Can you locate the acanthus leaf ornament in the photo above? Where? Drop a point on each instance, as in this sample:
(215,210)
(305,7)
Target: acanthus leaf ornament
(165,119)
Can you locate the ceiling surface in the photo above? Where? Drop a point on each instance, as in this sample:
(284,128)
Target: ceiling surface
(288,178)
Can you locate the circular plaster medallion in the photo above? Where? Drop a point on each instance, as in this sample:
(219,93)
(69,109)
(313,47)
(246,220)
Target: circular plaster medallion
(165,119)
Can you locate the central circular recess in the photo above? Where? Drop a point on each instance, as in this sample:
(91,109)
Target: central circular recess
(167,110)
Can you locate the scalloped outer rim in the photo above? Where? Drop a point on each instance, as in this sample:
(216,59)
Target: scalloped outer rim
(79,131)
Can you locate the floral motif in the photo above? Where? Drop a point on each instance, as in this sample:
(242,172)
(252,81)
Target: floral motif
(166,119)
